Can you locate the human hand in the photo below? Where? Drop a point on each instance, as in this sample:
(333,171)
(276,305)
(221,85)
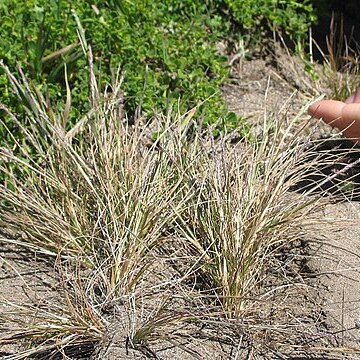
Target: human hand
(344,116)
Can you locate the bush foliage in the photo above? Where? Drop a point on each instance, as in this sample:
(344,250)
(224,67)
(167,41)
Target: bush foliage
(165,49)
(292,17)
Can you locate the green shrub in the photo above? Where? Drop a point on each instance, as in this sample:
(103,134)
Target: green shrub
(165,49)
(170,45)
(290,16)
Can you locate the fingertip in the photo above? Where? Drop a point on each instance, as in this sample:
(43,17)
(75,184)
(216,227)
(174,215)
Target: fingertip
(328,110)
(313,108)
(351,112)
(344,116)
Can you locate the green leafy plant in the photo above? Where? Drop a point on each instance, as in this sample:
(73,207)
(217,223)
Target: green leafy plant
(166,50)
(292,17)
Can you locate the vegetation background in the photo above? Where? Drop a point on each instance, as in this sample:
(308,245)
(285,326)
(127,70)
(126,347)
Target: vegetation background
(166,50)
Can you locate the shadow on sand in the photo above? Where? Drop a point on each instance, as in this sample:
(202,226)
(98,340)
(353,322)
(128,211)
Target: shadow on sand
(334,170)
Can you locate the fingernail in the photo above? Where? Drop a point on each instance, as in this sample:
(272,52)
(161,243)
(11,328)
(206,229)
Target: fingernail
(357,95)
(351,98)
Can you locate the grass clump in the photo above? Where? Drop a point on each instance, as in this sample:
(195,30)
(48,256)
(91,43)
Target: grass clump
(47,329)
(241,211)
(97,199)
(105,201)
(97,191)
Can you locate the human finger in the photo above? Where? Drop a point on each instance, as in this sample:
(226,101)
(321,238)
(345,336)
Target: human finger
(328,110)
(345,117)
(351,120)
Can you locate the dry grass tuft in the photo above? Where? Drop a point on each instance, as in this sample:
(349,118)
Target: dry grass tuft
(65,325)
(241,210)
(341,64)
(98,195)
(101,200)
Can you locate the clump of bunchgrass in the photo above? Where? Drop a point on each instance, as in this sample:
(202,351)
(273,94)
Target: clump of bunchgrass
(98,194)
(63,321)
(241,210)
(104,196)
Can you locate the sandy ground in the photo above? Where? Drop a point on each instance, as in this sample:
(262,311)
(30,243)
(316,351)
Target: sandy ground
(336,260)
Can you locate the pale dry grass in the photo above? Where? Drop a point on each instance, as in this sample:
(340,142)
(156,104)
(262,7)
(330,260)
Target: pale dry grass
(100,199)
(242,210)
